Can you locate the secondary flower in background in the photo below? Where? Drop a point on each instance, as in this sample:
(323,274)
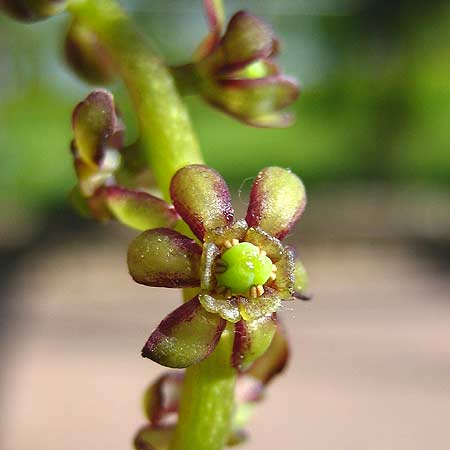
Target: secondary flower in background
(242,270)
(235,71)
(32,10)
(99,154)
(162,398)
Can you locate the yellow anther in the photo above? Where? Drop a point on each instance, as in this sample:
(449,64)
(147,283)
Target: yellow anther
(253,292)
(234,242)
(228,244)
(274,268)
(262,252)
(273,276)
(259,290)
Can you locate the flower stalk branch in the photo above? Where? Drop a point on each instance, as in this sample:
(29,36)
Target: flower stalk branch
(169,144)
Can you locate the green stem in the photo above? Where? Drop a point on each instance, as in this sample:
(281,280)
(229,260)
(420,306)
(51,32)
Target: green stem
(169,144)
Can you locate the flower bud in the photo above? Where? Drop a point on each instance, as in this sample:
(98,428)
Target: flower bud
(32,10)
(236,73)
(86,56)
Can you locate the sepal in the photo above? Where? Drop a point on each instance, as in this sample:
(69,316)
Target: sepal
(164,258)
(185,337)
(32,10)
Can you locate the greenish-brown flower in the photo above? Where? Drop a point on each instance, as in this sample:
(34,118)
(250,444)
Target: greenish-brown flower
(241,268)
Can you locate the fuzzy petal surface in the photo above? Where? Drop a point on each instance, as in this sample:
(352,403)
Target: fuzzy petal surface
(247,38)
(94,123)
(277,200)
(251,340)
(274,360)
(165,258)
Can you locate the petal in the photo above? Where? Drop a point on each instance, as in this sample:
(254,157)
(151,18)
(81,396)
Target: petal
(246,39)
(227,308)
(95,124)
(165,258)
(274,120)
(153,438)
(254,308)
(277,200)
(254,97)
(251,340)
(185,337)
(274,360)
(201,197)
(86,56)
(139,210)
(162,398)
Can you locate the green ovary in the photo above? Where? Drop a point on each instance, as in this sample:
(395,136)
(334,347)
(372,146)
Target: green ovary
(245,267)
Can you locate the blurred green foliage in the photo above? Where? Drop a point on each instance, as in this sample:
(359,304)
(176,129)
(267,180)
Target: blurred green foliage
(375,102)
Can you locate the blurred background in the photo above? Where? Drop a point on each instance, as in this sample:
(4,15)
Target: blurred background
(371,353)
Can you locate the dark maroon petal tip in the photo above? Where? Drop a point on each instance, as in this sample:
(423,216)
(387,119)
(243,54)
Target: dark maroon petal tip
(185,337)
(96,125)
(201,197)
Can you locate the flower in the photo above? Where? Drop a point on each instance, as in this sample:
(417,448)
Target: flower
(99,156)
(162,398)
(32,10)
(236,73)
(241,268)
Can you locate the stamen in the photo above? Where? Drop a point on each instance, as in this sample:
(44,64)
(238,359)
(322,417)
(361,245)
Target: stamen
(273,276)
(259,290)
(253,292)
(221,289)
(262,252)
(274,268)
(228,244)
(234,242)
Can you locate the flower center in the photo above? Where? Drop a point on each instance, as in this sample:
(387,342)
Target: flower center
(245,268)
